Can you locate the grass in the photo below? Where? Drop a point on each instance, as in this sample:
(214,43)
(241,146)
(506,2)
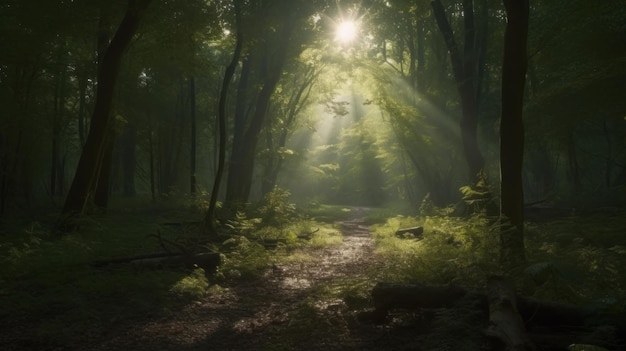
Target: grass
(52,295)
(575,260)
(328,213)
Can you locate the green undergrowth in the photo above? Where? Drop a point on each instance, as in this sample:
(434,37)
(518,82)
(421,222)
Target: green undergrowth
(452,250)
(51,295)
(576,260)
(328,213)
(579,260)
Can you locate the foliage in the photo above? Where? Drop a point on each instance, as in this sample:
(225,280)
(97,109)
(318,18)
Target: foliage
(194,285)
(564,253)
(48,282)
(453,250)
(327,213)
(275,208)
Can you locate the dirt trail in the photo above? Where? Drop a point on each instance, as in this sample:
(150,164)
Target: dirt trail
(292,308)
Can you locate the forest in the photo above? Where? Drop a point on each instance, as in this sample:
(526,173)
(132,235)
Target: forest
(312,174)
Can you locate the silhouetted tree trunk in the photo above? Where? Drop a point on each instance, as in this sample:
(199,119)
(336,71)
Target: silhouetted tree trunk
(82,90)
(129,158)
(209,219)
(297,100)
(464,69)
(151,151)
(241,169)
(239,126)
(57,117)
(192,149)
(87,170)
(512,132)
(103,177)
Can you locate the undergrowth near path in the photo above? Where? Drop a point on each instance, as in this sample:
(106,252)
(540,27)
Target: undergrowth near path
(288,280)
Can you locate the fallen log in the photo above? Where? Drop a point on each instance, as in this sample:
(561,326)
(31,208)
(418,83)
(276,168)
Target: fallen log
(387,296)
(126,259)
(208,261)
(506,328)
(543,319)
(411,232)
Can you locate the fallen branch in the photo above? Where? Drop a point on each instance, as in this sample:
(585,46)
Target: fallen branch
(208,261)
(412,232)
(548,323)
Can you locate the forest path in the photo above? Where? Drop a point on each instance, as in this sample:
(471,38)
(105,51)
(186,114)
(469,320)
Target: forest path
(297,305)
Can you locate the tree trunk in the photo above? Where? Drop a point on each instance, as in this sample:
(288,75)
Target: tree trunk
(192,149)
(82,90)
(151,151)
(297,100)
(208,226)
(512,132)
(506,327)
(57,121)
(102,183)
(129,158)
(464,69)
(86,172)
(241,169)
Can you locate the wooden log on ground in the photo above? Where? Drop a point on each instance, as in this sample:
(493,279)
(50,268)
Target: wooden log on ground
(126,259)
(411,232)
(388,296)
(506,327)
(552,325)
(208,261)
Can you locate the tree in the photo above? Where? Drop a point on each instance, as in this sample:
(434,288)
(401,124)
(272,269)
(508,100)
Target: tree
(296,87)
(209,219)
(512,131)
(87,172)
(465,72)
(265,60)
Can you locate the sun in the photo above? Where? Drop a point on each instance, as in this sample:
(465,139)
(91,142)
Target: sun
(346,31)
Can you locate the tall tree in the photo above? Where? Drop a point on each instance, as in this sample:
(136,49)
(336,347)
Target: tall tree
(209,219)
(512,131)
(287,106)
(87,171)
(465,72)
(270,53)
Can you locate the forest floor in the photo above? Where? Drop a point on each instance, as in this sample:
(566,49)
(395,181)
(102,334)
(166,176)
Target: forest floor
(292,307)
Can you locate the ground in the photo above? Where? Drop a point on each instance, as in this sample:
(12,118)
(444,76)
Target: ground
(291,307)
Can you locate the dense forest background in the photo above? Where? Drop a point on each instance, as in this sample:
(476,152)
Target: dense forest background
(166,162)
(366,122)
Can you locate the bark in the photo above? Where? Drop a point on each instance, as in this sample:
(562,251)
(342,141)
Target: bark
(192,149)
(558,322)
(296,101)
(242,167)
(387,296)
(129,158)
(102,183)
(506,327)
(57,122)
(151,151)
(414,231)
(86,172)
(512,132)
(208,261)
(421,58)
(82,88)
(208,227)
(464,69)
